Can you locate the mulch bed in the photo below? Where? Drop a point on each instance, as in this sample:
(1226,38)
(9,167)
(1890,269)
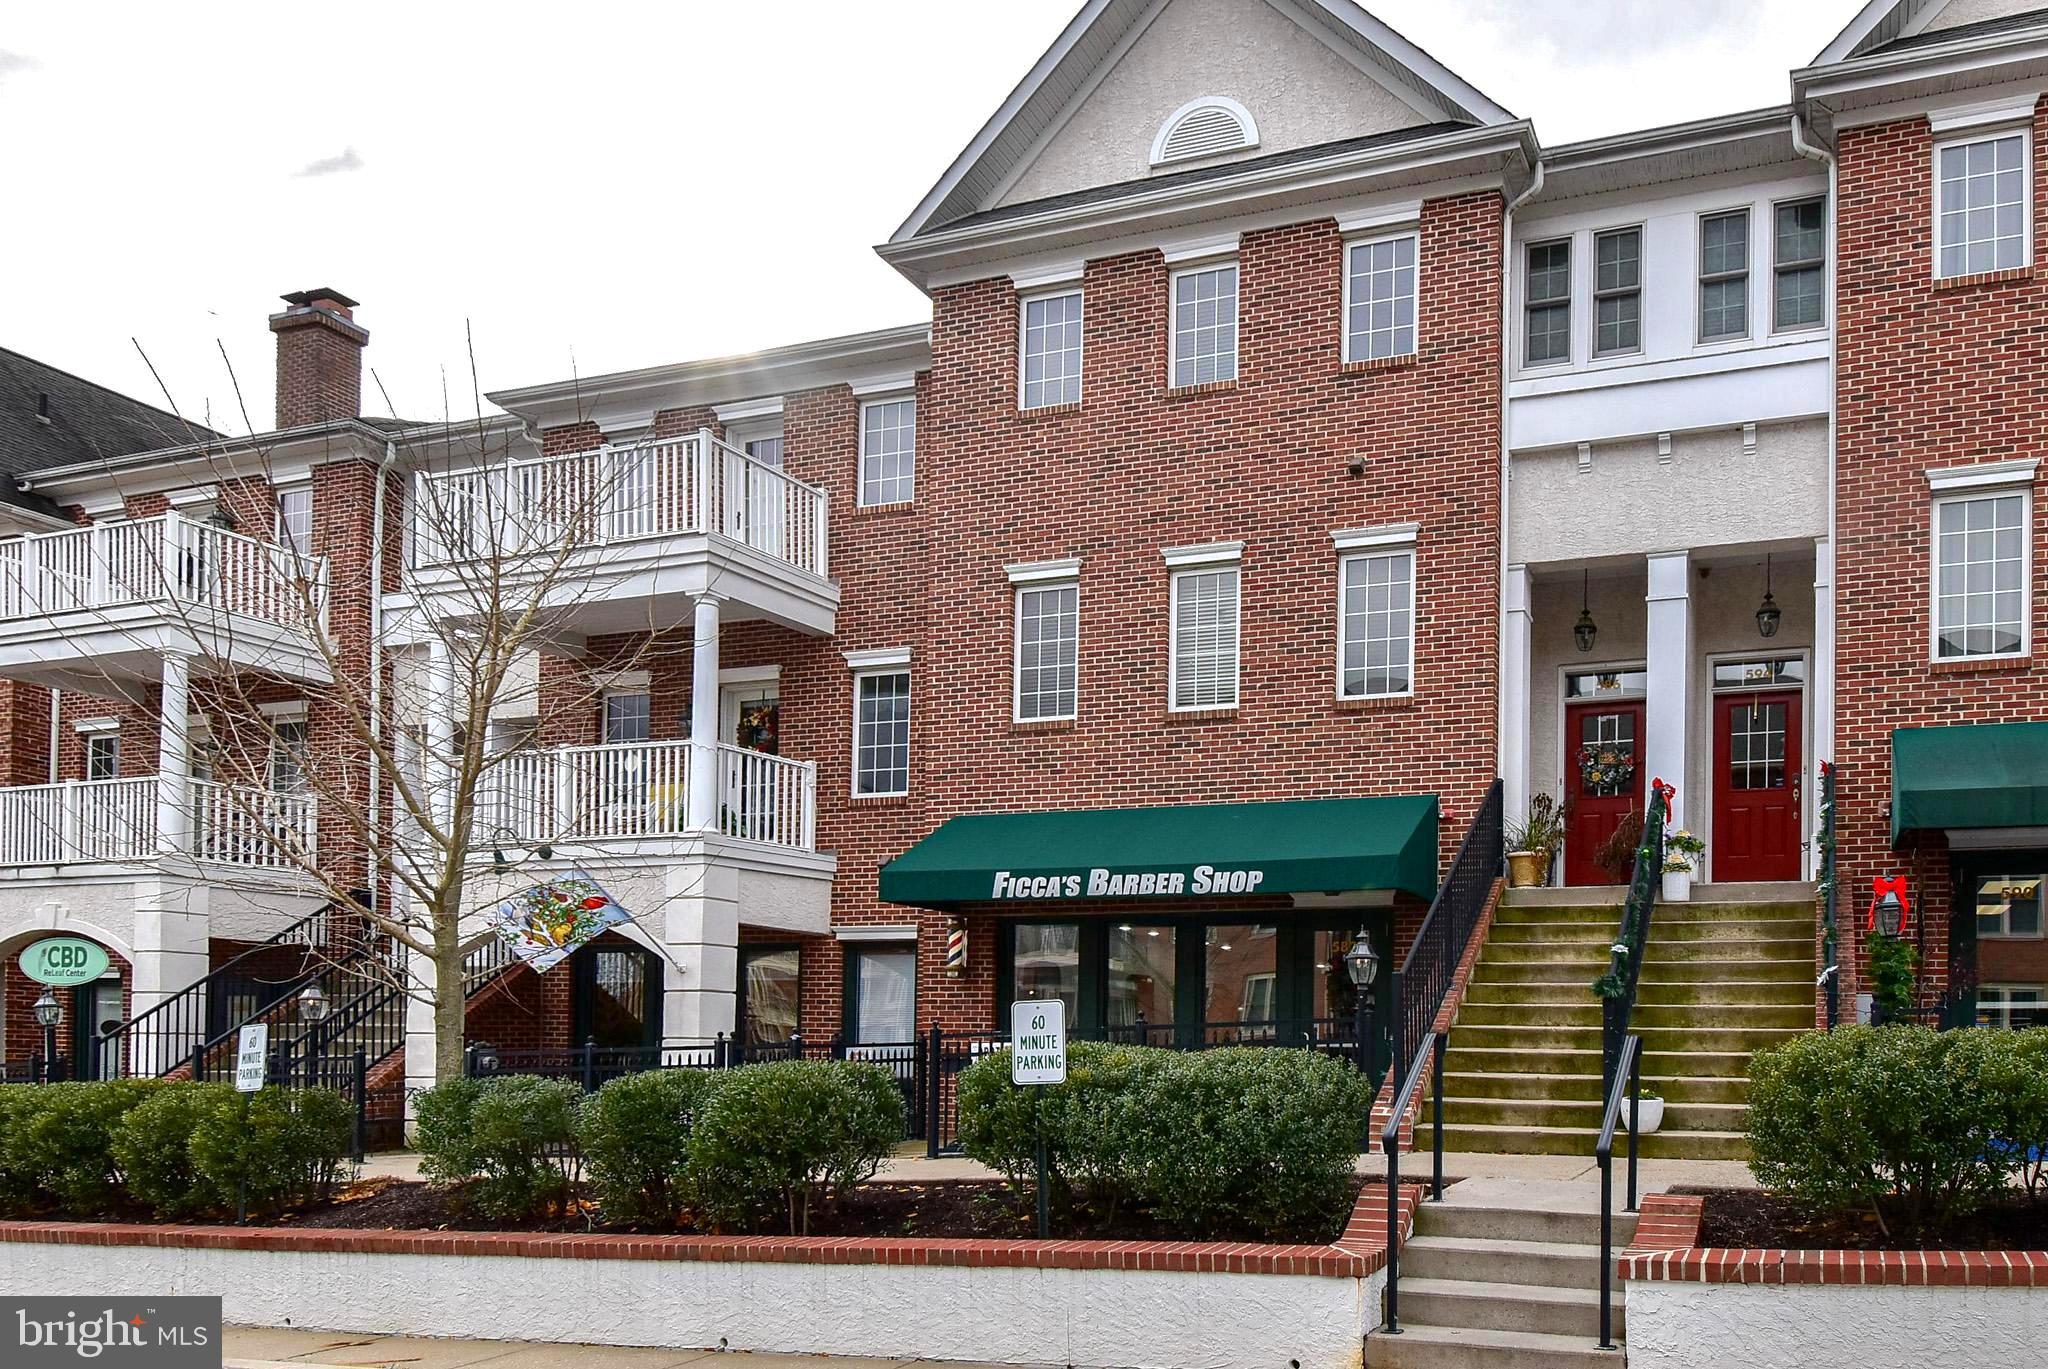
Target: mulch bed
(1741,1218)
(956,1209)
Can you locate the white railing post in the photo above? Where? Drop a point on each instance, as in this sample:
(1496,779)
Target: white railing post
(566,799)
(810,814)
(704,767)
(98,571)
(173,755)
(703,481)
(821,509)
(68,824)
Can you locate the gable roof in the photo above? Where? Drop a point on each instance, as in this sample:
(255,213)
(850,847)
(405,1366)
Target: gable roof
(85,422)
(1892,26)
(1983,28)
(1092,38)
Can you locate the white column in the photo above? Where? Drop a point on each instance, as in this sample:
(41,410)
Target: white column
(1669,641)
(1821,695)
(701,930)
(419,1016)
(436,768)
(173,920)
(1514,694)
(704,715)
(174,756)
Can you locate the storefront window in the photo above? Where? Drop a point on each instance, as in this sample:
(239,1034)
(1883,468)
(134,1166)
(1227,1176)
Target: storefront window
(1048,963)
(2009,905)
(1241,974)
(2012,1006)
(768,994)
(1140,977)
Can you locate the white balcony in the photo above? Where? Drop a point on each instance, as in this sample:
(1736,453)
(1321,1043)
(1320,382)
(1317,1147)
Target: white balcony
(105,604)
(115,822)
(620,538)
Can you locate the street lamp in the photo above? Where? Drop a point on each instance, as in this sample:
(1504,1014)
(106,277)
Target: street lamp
(1362,963)
(1891,913)
(48,1013)
(313,1005)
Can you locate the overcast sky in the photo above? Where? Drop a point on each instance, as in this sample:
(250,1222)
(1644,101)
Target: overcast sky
(598,187)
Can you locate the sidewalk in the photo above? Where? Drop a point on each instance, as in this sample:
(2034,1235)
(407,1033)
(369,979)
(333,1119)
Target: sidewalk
(249,1347)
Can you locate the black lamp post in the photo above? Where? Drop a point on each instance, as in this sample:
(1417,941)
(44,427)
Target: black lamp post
(48,1013)
(1362,963)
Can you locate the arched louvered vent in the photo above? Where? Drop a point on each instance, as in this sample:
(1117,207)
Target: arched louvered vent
(1203,128)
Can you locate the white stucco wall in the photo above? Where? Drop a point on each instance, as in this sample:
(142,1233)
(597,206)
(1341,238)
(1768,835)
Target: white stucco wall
(1957,13)
(1807,1326)
(1011,1316)
(1299,90)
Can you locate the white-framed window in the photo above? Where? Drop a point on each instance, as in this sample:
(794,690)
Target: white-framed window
(1376,624)
(2012,1006)
(1202,653)
(1981,204)
(1547,302)
(1049,351)
(1981,565)
(881,733)
(628,717)
(888,450)
(766,449)
(1799,265)
(1617,291)
(1380,297)
(288,761)
(295,519)
(1048,652)
(1204,333)
(1724,275)
(103,755)
(2009,905)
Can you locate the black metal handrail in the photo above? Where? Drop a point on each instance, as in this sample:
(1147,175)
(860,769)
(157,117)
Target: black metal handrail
(1617,988)
(1628,1087)
(1830,881)
(1430,1053)
(1417,990)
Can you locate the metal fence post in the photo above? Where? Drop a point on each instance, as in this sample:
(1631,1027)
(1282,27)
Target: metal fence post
(362,1087)
(589,1063)
(931,1112)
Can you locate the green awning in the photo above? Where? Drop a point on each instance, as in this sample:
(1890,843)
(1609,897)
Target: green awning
(1975,775)
(1192,851)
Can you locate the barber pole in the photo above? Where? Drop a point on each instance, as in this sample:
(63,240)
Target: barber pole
(956,948)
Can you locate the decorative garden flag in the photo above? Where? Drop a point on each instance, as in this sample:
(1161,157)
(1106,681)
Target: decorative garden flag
(547,922)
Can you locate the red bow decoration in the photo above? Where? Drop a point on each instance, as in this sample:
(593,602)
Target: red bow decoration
(1669,791)
(1880,886)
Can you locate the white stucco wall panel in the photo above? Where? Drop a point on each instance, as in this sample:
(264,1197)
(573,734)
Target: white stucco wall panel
(1810,1326)
(1299,90)
(1957,13)
(1010,1316)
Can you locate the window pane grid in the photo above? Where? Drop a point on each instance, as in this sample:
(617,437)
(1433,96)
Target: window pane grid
(1052,351)
(1724,276)
(1618,291)
(1980,576)
(1548,285)
(881,734)
(1205,326)
(295,521)
(1376,632)
(1801,265)
(1048,652)
(1981,206)
(1205,639)
(1381,318)
(888,452)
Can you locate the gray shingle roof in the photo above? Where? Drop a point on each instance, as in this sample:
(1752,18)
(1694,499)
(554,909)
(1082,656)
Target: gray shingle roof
(1983,28)
(86,422)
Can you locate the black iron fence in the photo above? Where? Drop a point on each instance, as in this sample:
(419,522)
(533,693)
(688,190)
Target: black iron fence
(1617,988)
(1830,879)
(1418,988)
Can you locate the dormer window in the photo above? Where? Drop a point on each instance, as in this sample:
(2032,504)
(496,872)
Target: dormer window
(1206,127)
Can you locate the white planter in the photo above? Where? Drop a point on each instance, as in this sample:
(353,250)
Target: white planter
(1677,887)
(1652,1110)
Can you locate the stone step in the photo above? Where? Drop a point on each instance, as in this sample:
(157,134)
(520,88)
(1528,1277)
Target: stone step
(1518,1058)
(1664,914)
(1664,1145)
(1790,969)
(1661,930)
(1600,895)
(1485,1220)
(1587,1087)
(1734,992)
(1422,1346)
(1508,1306)
(1586,1011)
(1552,1264)
(1583,1114)
(1660,952)
(1745,1040)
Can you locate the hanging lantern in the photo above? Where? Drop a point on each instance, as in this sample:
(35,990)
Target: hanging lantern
(1586,629)
(956,948)
(1768,613)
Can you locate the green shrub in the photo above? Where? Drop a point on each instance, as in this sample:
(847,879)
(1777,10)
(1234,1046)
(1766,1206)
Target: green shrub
(1897,1118)
(277,1148)
(635,1137)
(18,1103)
(153,1149)
(515,1135)
(2020,1089)
(1892,965)
(60,1144)
(772,1137)
(1090,1121)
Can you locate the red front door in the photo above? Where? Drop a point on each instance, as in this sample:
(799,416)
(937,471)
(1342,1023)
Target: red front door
(1756,787)
(1604,778)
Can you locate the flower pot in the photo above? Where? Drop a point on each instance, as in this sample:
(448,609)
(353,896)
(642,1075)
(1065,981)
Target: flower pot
(1526,869)
(1677,886)
(1652,1114)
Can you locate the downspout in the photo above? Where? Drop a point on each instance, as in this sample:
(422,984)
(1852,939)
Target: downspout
(1500,598)
(377,519)
(1824,747)
(56,731)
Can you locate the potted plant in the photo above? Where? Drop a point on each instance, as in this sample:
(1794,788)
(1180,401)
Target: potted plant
(1650,1110)
(1533,842)
(1682,852)
(1617,854)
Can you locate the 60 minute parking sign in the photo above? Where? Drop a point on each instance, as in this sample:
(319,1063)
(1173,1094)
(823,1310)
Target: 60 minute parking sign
(1038,1042)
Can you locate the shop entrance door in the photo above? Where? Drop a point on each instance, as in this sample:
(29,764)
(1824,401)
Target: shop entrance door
(618,1005)
(1603,775)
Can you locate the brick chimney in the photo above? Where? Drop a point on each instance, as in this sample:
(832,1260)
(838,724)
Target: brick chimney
(319,358)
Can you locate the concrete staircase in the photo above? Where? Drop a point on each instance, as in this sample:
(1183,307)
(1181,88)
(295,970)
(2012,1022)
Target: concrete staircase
(1504,1274)
(1726,974)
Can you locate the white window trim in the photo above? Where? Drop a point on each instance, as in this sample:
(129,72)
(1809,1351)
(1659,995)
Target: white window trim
(1344,325)
(1024,303)
(1384,542)
(1827,266)
(1569,300)
(1035,585)
(625,682)
(853,750)
(1391,537)
(2026,647)
(860,451)
(96,727)
(1037,572)
(877,658)
(1699,277)
(1040,279)
(1180,572)
(1987,475)
(1173,278)
(1642,290)
(1202,554)
(749,674)
(1980,133)
(287,711)
(277,529)
(749,410)
(892,931)
(740,431)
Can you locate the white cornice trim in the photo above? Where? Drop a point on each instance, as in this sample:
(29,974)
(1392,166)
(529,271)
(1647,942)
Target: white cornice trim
(1391,535)
(1037,572)
(1988,475)
(877,658)
(1202,554)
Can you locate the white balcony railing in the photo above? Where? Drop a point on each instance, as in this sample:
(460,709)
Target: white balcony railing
(167,560)
(693,484)
(116,821)
(620,792)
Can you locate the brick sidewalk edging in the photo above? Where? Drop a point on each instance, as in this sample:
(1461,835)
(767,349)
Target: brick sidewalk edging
(1358,1252)
(1666,1249)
